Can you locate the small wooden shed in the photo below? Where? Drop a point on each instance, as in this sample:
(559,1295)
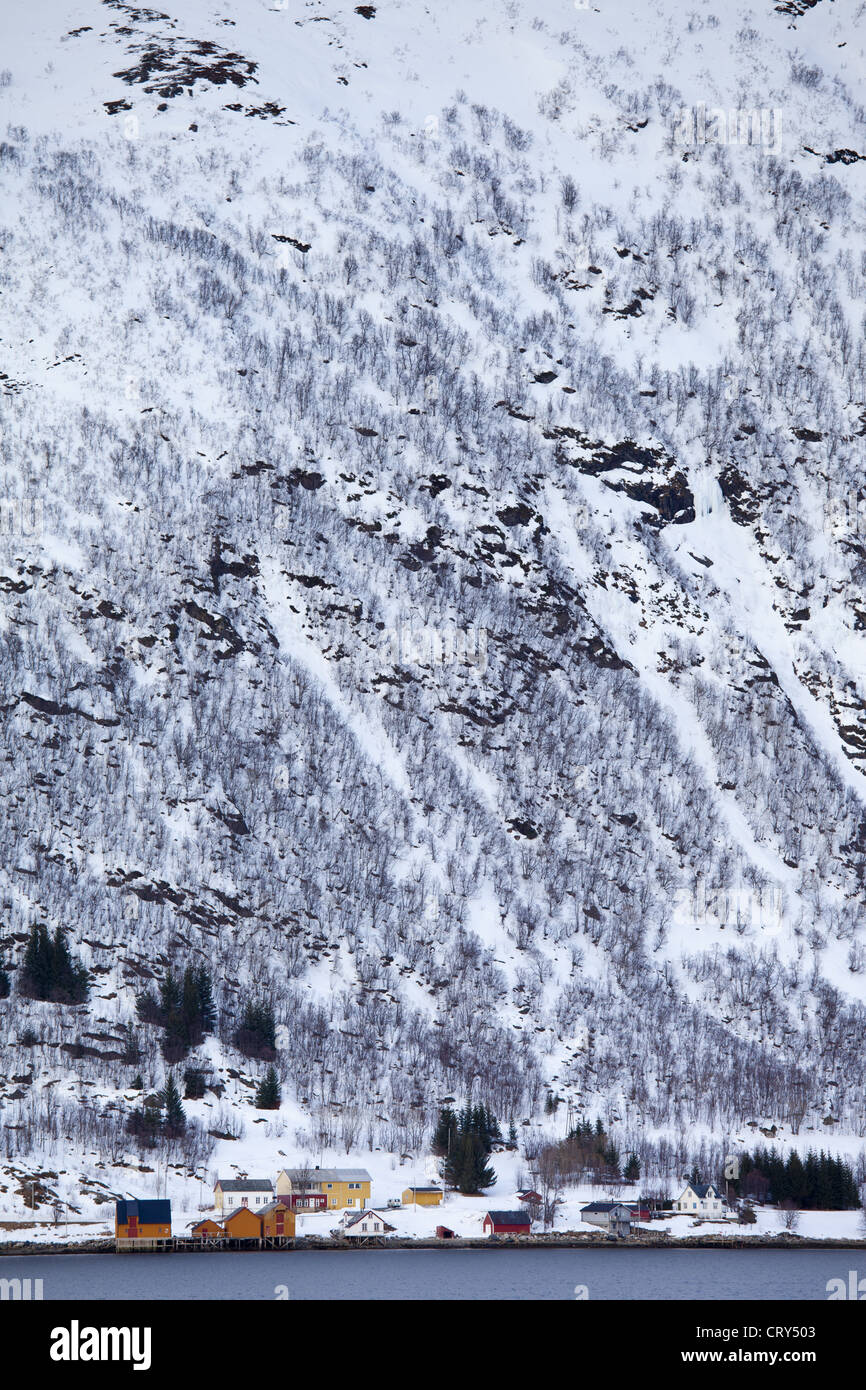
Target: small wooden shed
(422,1196)
(243,1224)
(208,1229)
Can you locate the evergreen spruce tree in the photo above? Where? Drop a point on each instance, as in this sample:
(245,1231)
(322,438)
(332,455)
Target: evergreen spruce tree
(62,971)
(49,971)
(631,1172)
(132,1048)
(173,1115)
(795,1180)
(190,1012)
(206,1006)
(194,1084)
(36,970)
(4,983)
(466,1167)
(257,1034)
(476,1173)
(269,1093)
(169,994)
(445,1132)
(148,1008)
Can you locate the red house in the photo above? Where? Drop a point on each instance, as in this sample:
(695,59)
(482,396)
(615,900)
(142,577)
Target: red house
(306,1201)
(506,1223)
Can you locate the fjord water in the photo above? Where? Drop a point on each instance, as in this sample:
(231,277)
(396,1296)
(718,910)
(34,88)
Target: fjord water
(512,1274)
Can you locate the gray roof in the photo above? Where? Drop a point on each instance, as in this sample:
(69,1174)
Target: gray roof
(607,1206)
(315,1175)
(359,1216)
(509,1218)
(245,1184)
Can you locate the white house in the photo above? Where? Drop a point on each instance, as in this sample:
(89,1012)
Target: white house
(701,1199)
(229,1193)
(361,1225)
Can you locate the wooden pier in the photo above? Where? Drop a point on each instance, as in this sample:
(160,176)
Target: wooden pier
(150,1245)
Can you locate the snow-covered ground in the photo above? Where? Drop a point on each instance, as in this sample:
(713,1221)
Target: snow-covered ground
(324,321)
(262,1158)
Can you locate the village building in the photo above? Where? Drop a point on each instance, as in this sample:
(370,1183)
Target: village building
(242,1192)
(207,1230)
(422,1196)
(367,1227)
(701,1199)
(298,1188)
(142,1220)
(243,1224)
(640,1209)
(277,1221)
(340,1187)
(506,1223)
(613,1217)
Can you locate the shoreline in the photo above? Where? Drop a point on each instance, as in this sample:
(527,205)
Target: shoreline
(567,1241)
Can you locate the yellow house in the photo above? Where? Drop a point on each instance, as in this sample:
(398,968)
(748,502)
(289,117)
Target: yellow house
(340,1187)
(422,1197)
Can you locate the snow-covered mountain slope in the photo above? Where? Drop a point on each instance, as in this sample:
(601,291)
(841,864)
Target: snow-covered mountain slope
(433,554)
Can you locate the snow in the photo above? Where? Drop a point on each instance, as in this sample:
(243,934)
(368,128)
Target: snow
(159,345)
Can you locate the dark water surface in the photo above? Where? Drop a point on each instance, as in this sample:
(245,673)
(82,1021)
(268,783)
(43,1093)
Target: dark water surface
(473,1275)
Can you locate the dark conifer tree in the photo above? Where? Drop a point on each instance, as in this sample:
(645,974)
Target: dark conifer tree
(269,1093)
(445,1132)
(257,1034)
(36,970)
(173,1115)
(49,971)
(468,1145)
